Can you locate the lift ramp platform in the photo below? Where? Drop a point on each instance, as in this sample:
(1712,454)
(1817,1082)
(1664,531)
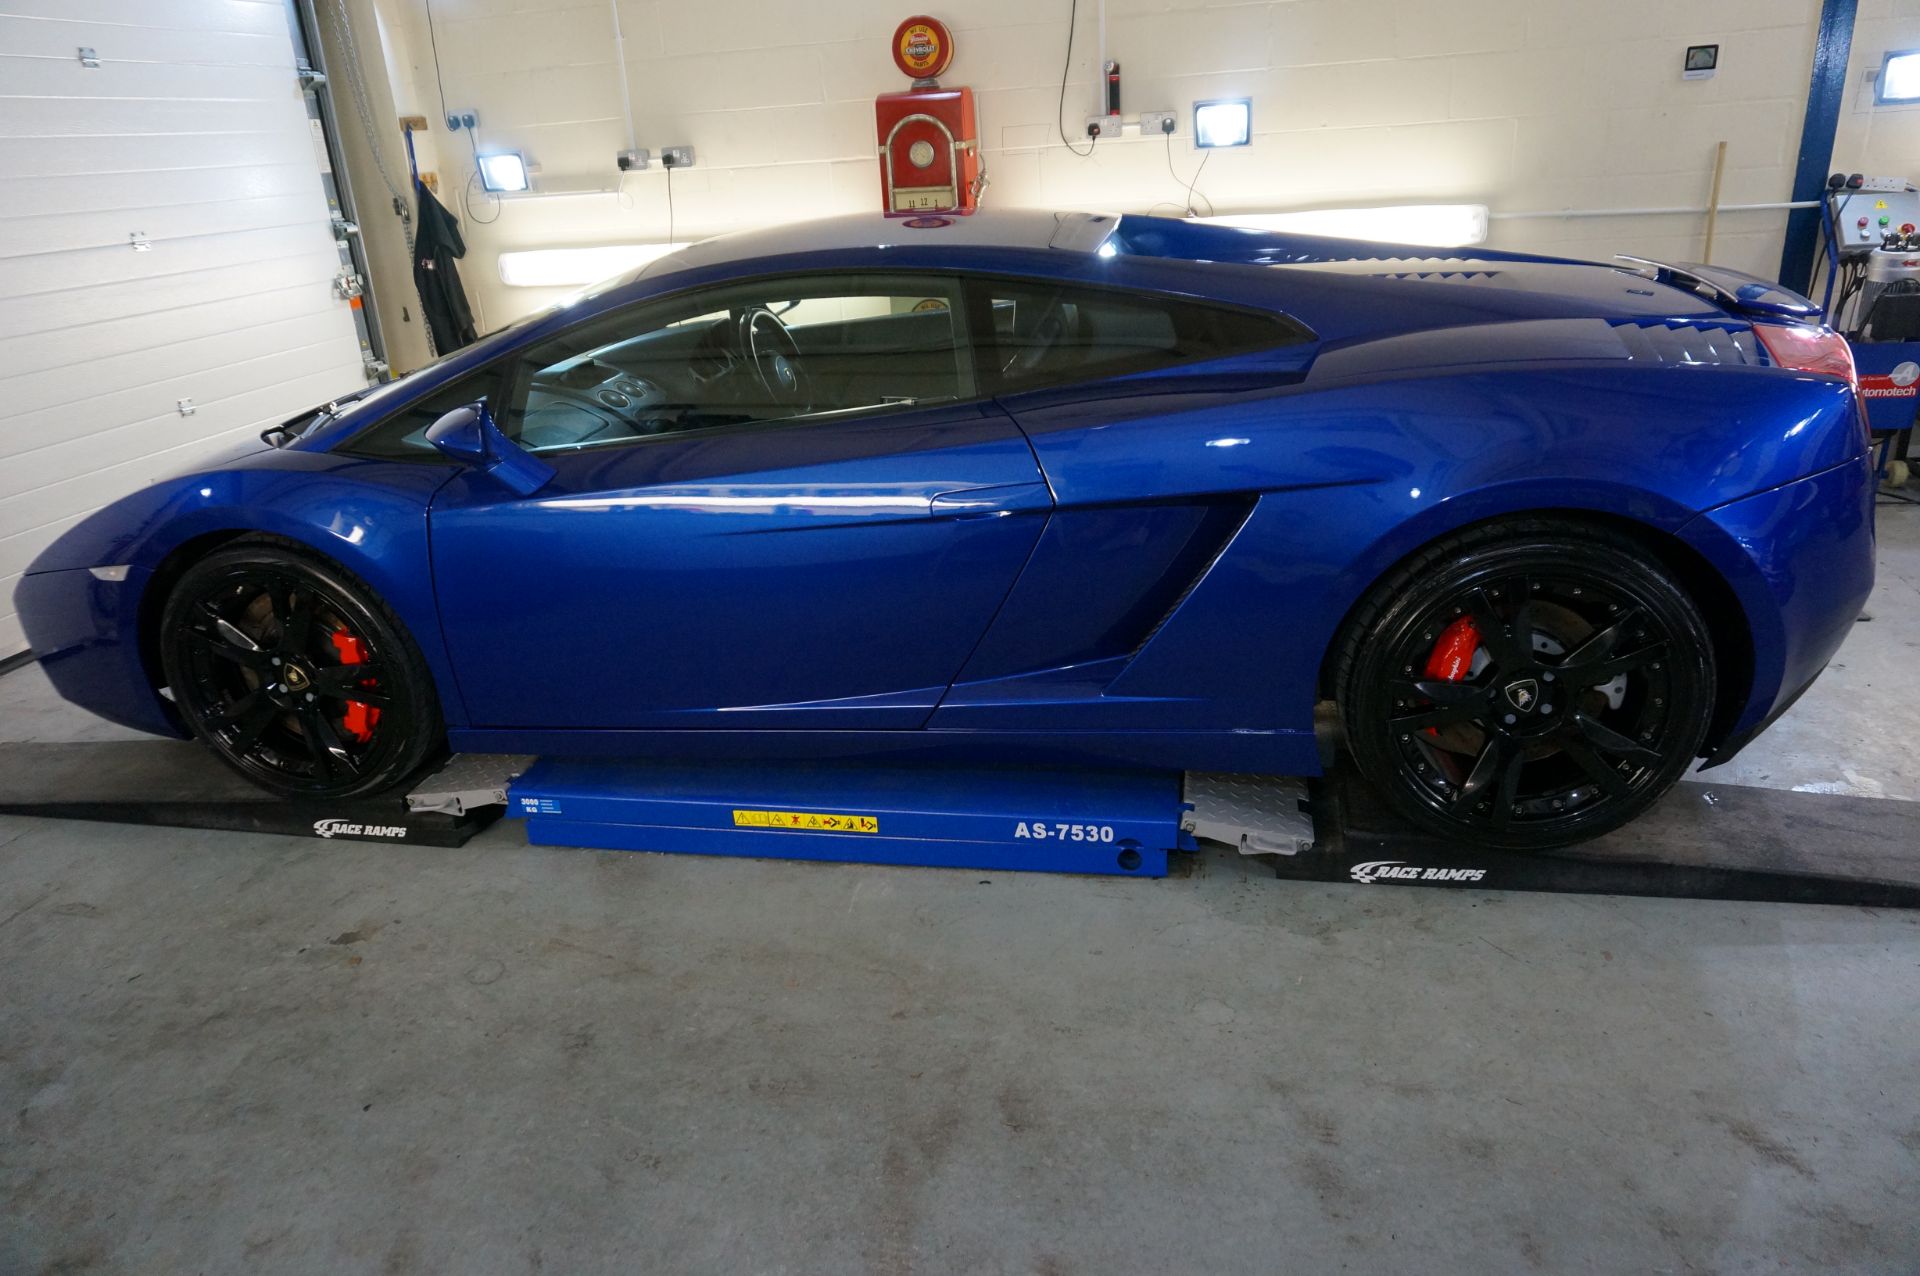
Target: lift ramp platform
(1700,842)
(1093,822)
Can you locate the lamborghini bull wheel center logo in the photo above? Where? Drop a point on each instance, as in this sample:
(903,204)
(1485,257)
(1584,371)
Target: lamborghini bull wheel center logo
(1401,871)
(352,828)
(1524,694)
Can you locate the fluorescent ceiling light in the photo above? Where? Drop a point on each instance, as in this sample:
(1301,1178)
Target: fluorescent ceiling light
(1434,225)
(1224,122)
(503,171)
(1899,78)
(573,267)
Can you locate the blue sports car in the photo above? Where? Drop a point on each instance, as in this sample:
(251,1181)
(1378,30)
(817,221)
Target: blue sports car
(1113,491)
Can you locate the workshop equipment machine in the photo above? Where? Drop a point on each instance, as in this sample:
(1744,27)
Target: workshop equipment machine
(1871,229)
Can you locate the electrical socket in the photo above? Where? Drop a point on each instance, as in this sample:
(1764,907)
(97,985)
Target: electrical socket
(1103,126)
(633,161)
(1154,123)
(677,156)
(457,120)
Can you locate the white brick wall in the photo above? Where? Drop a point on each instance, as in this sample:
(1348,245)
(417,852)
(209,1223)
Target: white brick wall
(1542,105)
(1883,140)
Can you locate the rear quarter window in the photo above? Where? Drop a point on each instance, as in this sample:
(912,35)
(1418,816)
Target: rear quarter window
(1038,333)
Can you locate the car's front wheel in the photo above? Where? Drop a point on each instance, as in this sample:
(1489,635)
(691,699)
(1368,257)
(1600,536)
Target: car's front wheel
(1526,685)
(296,674)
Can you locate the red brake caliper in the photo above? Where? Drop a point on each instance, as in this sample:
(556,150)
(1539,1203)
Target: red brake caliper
(1452,657)
(360,718)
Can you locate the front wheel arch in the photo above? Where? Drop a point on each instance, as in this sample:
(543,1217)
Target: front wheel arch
(153,601)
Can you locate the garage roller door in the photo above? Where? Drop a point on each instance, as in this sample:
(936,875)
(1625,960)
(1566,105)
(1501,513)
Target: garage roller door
(164,237)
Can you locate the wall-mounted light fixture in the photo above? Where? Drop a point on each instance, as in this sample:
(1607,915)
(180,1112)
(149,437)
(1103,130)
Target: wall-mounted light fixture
(1430,225)
(576,267)
(1223,122)
(503,172)
(1899,78)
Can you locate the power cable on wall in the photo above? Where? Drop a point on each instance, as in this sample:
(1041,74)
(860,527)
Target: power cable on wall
(433,41)
(1191,192)
(473,179)
(1073,21)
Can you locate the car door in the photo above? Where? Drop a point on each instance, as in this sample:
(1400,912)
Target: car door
(780,504)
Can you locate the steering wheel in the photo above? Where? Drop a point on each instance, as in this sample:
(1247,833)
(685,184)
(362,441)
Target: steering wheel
(773,354)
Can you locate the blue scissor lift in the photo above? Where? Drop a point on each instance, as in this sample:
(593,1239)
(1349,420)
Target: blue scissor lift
(1738,844)
(1064,822)
(1130,824)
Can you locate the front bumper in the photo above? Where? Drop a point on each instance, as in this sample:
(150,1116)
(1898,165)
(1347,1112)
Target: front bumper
(86,633)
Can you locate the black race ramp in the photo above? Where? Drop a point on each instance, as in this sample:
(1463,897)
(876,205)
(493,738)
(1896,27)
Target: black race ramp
(1703,841)
(176,783)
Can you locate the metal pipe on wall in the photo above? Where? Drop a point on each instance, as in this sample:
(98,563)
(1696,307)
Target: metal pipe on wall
(1100,67)
(1678,210)
(620,60)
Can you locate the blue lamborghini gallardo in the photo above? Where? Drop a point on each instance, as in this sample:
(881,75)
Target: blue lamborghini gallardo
(1023,487)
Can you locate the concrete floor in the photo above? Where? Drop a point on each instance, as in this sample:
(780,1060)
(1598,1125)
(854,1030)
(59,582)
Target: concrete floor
(231,1054)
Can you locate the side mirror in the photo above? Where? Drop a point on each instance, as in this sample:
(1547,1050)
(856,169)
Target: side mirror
(468,435)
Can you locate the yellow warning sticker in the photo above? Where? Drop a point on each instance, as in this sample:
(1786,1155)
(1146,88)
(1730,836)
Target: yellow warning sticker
(806,821)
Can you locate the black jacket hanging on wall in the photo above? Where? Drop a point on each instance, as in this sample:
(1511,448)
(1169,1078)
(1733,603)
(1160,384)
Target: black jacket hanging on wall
(436,244)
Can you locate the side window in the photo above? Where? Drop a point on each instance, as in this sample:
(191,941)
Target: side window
(775,350)
(1045,334)
(403,436)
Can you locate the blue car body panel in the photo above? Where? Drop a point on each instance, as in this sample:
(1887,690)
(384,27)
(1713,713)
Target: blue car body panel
(1144,570)
(836,575)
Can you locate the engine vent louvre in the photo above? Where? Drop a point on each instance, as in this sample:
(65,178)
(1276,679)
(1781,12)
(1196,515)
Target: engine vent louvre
(1658,341)
(1231,519)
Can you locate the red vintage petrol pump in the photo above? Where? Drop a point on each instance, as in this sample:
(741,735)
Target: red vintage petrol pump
(929,148)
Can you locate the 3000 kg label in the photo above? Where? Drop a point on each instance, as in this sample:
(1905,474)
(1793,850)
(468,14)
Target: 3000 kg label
(1043,832)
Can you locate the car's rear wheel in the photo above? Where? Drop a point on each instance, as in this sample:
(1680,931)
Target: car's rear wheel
(296,674)
(1526,685)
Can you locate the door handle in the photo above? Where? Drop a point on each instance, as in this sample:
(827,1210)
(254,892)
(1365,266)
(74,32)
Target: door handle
(986,502)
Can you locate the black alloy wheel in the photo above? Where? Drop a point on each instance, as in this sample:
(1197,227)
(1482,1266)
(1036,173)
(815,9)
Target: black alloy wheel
(1527,685)
(295,674)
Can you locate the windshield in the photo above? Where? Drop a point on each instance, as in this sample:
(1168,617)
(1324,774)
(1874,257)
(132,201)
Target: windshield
(373,396)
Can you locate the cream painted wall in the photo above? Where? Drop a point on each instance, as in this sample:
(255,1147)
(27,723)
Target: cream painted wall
(1526,106)
(1882,140)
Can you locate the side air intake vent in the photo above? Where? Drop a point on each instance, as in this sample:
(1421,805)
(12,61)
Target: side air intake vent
(1659,342)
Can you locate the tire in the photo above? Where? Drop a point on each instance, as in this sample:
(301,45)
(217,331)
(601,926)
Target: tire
(1586,697)
(268,648)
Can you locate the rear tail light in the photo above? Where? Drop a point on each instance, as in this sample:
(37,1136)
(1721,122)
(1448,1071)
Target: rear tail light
(1813,348)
